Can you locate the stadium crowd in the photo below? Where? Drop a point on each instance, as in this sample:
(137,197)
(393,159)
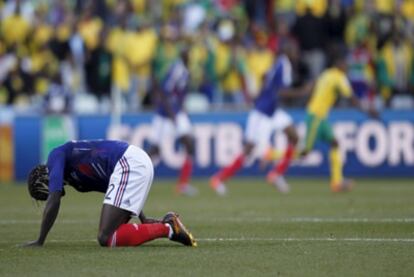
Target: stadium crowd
(84,50)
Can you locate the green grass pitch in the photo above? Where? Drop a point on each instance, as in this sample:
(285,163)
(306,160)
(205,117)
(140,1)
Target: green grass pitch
(254,231)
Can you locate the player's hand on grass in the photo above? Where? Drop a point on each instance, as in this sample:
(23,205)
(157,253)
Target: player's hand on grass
(34,243)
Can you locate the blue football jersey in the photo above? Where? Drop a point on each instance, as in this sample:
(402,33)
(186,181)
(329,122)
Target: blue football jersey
(174,88)
(279,76)
(85,165)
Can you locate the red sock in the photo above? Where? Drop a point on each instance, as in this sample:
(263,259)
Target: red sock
(230,170)
(285,162)
(185,173)
(136,234)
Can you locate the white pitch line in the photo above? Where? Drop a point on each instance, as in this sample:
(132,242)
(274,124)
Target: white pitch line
(289,239)
(312,220)
(241,219)
(38,221)
(356,220)
(247,239)
(309,239)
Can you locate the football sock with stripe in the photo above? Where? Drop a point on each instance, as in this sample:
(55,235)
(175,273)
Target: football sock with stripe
(285,162)
(273,154)
(336,166)
(137,234)
(230,170)
(185,174)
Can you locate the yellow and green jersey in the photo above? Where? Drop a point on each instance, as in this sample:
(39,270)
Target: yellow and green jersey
(332,83)
(15,29)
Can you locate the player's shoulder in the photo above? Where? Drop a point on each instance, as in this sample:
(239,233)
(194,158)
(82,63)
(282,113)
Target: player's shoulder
(94,148)
(58,153)
(330,76)
(334,72)
(96,143)
(62,147)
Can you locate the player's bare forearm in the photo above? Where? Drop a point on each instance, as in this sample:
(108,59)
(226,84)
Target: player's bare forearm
(49,215)
(356,103)
(371,111)
(299,92)
(245,91)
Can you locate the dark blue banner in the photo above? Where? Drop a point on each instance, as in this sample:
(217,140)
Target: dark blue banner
(369,147)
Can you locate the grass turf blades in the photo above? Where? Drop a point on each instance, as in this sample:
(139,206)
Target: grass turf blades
(254,231)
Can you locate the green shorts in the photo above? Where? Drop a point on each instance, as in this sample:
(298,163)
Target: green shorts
(317,130)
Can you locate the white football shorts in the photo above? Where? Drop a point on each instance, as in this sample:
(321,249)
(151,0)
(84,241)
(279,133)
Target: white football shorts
(163,127)
(281,120)
(258,128)
(131,181)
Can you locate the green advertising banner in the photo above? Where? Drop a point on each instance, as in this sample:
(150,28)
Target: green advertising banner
(57,130)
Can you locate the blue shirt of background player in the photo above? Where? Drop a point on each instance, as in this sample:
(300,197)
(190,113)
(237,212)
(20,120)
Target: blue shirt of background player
(278,77)
(84,165)
(174,88)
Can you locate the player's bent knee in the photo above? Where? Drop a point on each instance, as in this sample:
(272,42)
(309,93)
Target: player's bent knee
(103,239)
(292,135)
(188,143)
(293,138)
(190,149)
(334,143)
(248,149)
(154,151)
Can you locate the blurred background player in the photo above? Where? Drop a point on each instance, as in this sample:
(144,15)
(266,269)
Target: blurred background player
(171,120)
(123,172)
(267,117)
(330,84)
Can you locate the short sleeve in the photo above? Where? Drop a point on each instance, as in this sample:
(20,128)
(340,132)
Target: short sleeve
(56,167)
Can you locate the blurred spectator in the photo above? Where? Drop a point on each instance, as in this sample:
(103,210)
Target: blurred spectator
(58,99)
(335,20)
(259,12)
(89,27)
(395,67)
(316,8)
(8,63)
(141,48)
(167,50)
(259,59)
(125,47)
(23,8)
(311,33)
(98,68)
(116,44)
(198,55)
(17,85)
(285,10)
(229,69)
(280,36)
(361,71)
(15,27)
(360,28)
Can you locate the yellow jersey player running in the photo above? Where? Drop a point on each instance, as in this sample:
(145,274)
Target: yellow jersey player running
(331,83)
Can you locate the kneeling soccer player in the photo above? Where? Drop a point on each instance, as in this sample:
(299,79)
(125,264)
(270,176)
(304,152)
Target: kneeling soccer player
(123,172)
